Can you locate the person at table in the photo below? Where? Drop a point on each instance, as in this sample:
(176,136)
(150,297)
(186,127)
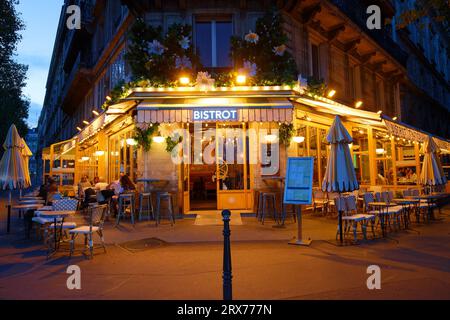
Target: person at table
(83,185)
(126,184)
(100,184)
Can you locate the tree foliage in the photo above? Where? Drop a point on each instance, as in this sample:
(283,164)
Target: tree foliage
(13,105)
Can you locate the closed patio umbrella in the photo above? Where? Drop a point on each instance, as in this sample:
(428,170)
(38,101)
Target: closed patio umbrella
(432,173)
(26,153)
(12,166)
(340,173)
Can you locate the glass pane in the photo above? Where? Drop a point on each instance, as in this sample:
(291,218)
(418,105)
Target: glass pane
(224,31)
(203,42)
(231,144)
(313,153)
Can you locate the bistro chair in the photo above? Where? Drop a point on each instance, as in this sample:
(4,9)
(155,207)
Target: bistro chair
(320,201)
(97,215)
(394,213)
(126,205)
(145,205)
(160,198)
(351,218)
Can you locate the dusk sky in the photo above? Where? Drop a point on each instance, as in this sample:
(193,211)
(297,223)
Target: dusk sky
(35,49)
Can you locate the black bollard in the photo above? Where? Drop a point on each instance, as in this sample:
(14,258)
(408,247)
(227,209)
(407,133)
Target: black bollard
(227,276)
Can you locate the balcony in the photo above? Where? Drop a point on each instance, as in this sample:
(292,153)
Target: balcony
(77,83)
(356,11)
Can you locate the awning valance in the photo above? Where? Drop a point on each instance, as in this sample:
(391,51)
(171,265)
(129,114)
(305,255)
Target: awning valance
(407,132)
(265,110)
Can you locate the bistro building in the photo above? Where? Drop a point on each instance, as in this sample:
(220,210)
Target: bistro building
(366,76)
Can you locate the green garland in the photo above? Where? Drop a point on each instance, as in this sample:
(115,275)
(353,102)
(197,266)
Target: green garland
(143,137)
(286,132)
(316,87)
(171,143)
(271,68)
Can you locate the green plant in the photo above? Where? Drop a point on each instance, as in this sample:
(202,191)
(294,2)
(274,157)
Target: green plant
(143,137)
(171,143)
(286,132)
(316,87)
(266,58)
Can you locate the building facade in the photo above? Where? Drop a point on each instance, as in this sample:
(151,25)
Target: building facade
(371,72)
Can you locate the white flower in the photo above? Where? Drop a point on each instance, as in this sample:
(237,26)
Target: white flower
(279,51)
(183,62)
(204,81)
(185,43)
(155,47)
(252,37)
(250,68)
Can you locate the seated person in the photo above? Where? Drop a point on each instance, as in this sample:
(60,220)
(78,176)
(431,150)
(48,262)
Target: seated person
(83,185)
(126,184)
(100,184)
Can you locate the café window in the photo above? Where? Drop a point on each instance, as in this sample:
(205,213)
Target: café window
(123,155)
(212,41)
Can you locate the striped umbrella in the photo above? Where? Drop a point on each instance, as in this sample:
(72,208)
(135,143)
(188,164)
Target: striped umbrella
(340,174)
(432,173)
(12,166)
(26,154)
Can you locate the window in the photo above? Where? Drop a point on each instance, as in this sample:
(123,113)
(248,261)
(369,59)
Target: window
(315,61)
(212,40)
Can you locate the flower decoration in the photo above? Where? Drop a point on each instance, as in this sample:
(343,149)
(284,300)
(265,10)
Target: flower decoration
(204,81)
(155,47)
(185,43)
(183,63)
(249,68)
(279,51)
(252,37)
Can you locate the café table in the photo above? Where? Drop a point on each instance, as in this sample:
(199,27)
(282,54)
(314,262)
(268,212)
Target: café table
(31,198)
(31,201)
(55,215)
(382,206)
(406,204)
(23,207)
(431,199)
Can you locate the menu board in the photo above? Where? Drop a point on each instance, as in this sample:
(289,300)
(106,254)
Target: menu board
(299,180)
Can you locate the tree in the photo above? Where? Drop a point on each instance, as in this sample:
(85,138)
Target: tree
(13,105)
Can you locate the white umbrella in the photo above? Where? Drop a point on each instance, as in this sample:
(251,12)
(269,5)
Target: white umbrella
(340,174)
(12,166)
(432,173)
(26,154)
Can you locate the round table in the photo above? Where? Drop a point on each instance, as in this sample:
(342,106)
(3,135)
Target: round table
(55,215)
(381,206)
(22,207)
(31,201)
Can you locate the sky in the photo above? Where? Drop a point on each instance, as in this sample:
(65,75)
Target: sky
(35,50)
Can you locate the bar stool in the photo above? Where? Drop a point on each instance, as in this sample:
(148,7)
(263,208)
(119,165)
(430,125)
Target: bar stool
(164,196)
(145,198)
(126,201)
(266,199)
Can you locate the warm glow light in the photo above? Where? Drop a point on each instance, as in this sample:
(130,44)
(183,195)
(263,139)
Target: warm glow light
(85,122)
(270,138)
(214,101)
(158,139)
(99,153)
(358,104)
(331,93)
(394,118)
(184,81)
(380,112)
(350,145)
(108,98)
(241,79)
(131,142)
(85,158)
(79,129)
(298,139)
(380,151)
(95,112)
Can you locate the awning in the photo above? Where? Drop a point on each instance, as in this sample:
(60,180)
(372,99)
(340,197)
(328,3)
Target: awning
(404,131)
(248,110)
(95,126)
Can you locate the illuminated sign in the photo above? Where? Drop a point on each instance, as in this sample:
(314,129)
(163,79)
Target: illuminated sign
(215,114)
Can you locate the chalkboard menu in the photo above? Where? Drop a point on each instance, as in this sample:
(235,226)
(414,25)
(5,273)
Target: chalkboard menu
(299,180)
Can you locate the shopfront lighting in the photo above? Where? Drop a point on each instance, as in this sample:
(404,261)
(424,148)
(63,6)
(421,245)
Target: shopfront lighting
(79,129)
(99,153)
(394,118)
(331,93)
(380,151)
(241,79)
(158,139)
(85,159)
(108,98)
(358,104)
(131,142)
(271,138)
(86,122)
(184,80)
(380,112)
(95,112)
(299,139)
